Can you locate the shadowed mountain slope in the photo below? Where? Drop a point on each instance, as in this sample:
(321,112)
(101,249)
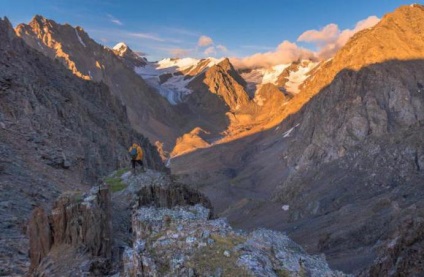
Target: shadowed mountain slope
(57,132)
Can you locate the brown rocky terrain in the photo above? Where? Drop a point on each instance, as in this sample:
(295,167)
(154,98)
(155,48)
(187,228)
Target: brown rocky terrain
(58,132)
(344,164)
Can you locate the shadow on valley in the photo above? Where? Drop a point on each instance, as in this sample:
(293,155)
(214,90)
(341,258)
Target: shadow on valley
(342,176)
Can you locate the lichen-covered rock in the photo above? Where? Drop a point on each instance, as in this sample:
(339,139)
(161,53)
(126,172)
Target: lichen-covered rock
(182,239)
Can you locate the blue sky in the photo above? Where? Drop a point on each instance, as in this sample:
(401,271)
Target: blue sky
(238,28)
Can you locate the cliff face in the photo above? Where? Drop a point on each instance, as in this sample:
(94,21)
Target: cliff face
(76,222)
(57,132)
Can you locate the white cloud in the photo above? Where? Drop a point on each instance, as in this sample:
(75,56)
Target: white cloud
(328,41)
(222,48)
(325,35)
(204,41)
(330,38)
(146,36)
(179,52)
(286,52)
(214,50)
(115,20)
(210,51)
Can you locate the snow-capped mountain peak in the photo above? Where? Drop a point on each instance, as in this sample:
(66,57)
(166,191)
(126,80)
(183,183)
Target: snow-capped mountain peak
(120,46)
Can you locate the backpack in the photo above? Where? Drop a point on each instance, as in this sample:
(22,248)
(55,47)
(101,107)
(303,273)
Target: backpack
(133,153)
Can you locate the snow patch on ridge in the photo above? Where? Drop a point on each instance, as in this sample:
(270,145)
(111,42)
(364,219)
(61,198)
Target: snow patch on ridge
(119,46)
(271,76)
(260,76)
(287,133)
(80,39)
(178,72)
(296,78)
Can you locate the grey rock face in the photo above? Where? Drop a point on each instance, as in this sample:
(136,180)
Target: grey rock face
(358,146)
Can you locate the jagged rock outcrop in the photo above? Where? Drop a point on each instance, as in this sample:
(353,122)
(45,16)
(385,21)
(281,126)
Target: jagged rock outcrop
(177,238)
(160,228)
(76,222)
(84,233)
(57,132)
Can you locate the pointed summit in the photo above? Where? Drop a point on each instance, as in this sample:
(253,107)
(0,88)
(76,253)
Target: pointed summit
(226,65)
(129,57)
(6,30)
(222,79)
(121,47)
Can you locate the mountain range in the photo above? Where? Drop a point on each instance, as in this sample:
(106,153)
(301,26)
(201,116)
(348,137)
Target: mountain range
(331,152)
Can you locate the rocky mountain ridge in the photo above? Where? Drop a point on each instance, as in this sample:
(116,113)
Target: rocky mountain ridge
(164,229)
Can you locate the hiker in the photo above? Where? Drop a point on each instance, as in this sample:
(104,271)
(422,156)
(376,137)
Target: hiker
(136,154)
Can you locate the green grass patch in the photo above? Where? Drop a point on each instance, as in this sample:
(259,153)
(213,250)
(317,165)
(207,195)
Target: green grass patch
(114,181)
(282,273)
(207,259)
(115,184)
(121,172)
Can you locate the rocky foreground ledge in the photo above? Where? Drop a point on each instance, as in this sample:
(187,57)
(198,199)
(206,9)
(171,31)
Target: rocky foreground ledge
(152,226)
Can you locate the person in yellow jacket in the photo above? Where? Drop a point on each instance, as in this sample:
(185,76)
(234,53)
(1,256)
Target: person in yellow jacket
(136,153)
